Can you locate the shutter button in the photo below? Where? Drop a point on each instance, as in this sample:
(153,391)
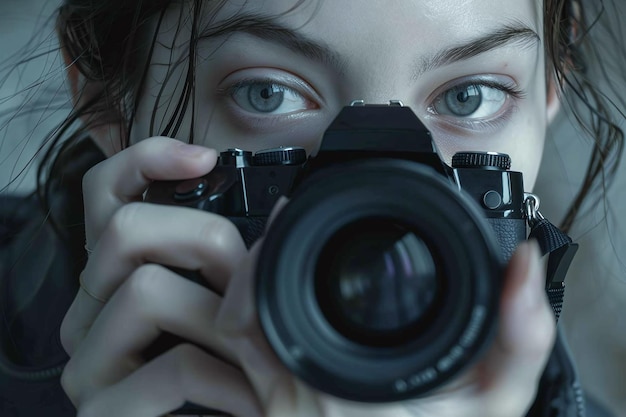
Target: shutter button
(191,190)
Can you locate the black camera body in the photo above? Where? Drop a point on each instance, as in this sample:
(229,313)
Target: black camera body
(380,279)
(245,187)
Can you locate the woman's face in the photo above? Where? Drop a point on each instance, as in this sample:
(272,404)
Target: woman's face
(472,70)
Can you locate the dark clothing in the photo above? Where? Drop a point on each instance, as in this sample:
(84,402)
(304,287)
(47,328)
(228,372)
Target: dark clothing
(39,269)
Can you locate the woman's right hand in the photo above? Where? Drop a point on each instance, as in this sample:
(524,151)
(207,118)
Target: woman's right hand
(139,298)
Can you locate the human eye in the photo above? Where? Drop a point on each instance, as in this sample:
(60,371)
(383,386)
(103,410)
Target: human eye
(269,97)
(476,103)
(265,107)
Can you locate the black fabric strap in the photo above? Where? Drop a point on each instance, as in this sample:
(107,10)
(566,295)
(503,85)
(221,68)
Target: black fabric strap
(555,296)
(560,250)
(548,236)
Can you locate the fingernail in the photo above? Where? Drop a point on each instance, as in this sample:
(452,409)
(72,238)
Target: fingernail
(193,150)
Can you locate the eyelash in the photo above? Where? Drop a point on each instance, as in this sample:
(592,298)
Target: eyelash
(246,82)
(508,88)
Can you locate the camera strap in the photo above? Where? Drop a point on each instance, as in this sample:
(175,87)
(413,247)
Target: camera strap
(559,248)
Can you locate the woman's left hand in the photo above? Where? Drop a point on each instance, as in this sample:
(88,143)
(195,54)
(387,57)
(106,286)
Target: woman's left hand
(501,384)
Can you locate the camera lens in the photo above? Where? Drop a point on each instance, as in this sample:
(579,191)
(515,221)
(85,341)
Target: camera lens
(376,282)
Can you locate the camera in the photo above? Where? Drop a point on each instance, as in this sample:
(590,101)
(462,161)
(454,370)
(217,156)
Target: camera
(380,279)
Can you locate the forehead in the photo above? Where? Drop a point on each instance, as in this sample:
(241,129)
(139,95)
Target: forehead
(424,25)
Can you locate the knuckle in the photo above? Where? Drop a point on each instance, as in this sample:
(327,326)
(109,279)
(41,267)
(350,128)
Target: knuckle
(186,358)
(185,354)
(67,337)
(124,219)
(223,236)
(98,176)
(143,284)
(90,177)
(68,382)
(88,409)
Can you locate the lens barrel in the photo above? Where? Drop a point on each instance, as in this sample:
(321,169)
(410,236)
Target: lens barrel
(379,281)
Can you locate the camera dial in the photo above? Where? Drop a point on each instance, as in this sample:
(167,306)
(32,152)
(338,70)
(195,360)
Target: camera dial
(485,160)
(280,156)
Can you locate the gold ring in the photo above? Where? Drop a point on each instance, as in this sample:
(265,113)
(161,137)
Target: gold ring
(89,293)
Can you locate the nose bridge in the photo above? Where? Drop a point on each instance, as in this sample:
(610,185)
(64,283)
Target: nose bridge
(379,78)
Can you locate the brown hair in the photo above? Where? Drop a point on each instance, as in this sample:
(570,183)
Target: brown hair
(571,46)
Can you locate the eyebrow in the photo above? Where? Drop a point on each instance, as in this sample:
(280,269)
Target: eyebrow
(517,33)
(267,28)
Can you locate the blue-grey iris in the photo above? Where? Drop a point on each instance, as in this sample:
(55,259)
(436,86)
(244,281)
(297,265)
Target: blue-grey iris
(265,97)
(464,101)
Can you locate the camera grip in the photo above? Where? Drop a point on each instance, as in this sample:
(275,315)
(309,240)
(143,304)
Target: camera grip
(250,228)
(510,232)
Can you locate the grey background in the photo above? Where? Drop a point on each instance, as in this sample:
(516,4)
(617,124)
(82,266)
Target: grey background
(593,319)
(27,30)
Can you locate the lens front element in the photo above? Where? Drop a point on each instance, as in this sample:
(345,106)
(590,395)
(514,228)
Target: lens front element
(376,282)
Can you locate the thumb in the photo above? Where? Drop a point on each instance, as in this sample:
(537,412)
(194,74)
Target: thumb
(525,336)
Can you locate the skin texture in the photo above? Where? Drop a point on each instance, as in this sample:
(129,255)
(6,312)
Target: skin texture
(378,49)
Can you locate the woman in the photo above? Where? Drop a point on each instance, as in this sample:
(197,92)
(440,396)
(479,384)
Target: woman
(147,78)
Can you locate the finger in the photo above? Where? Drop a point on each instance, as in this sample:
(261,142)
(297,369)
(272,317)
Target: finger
(145,233)
(525,336)
(185,373)
(124,177)
(174,236)
(240,327)
(153,300)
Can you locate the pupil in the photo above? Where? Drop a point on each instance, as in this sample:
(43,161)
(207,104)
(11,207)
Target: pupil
(463,96)
(266,93)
